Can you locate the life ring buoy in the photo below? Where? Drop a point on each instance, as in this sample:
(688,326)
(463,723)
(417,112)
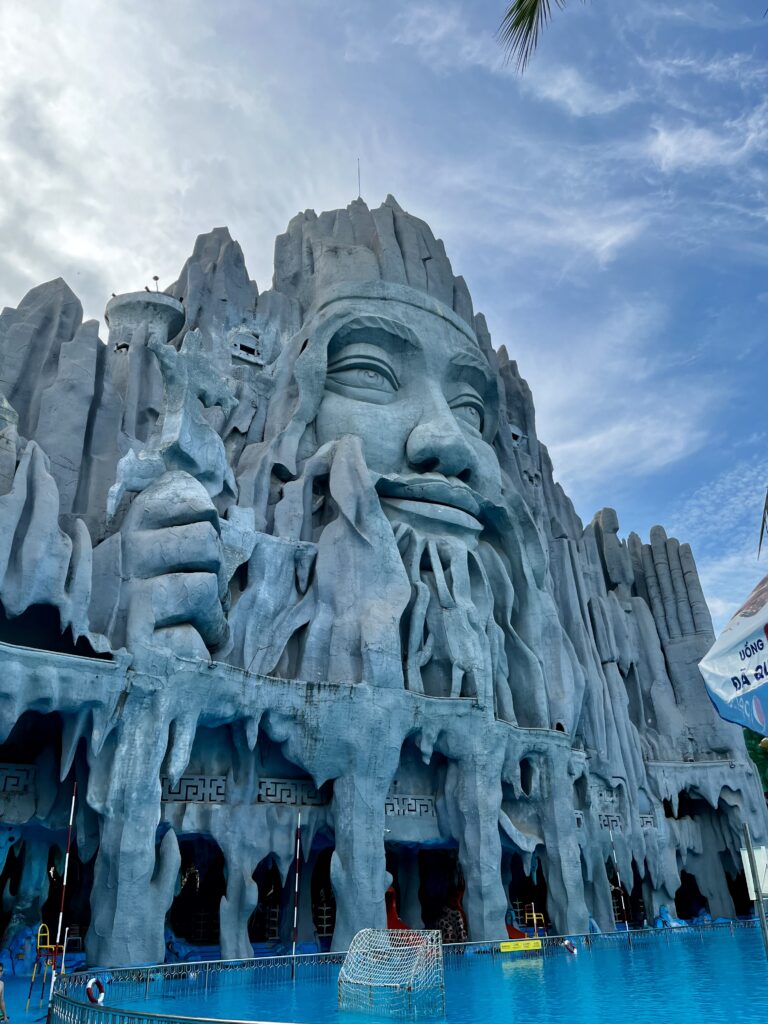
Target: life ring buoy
(97,996)
(570,947)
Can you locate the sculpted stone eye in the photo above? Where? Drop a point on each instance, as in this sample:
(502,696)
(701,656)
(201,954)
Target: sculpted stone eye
(363,372)
(471,411)
(371,376)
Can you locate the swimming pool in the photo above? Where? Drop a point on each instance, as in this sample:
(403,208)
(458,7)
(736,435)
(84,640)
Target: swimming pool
(713,977)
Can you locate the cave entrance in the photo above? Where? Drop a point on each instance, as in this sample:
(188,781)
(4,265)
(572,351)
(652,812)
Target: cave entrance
(527,893)
(323,900)
(10,879)
(33,734)
(441,891)
(737,886)
(688,898)
(688,806)
(39,627)
(77,901)
(194,913)
(620,901)
(637,911)
(264,922)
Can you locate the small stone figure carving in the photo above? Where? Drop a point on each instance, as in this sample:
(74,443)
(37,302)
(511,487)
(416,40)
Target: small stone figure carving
(183,439)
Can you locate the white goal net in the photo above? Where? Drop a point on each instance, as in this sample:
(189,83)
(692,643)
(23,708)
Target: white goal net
(394,974)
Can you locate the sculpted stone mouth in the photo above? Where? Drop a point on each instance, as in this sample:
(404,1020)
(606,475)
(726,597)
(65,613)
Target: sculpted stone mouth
(433,496)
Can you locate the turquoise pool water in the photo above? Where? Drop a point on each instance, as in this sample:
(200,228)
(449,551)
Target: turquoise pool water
(686,980)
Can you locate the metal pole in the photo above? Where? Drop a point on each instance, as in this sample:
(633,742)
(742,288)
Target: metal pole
(618,877)
(296,897)
(757,885)
(63,894)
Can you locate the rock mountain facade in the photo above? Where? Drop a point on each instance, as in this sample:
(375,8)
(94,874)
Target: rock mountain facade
(301,551)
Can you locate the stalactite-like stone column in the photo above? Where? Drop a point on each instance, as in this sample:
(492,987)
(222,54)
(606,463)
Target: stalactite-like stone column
(358,869)
(134,878)
(473,794)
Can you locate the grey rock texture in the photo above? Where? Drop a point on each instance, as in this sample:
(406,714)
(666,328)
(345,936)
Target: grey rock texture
(303,551)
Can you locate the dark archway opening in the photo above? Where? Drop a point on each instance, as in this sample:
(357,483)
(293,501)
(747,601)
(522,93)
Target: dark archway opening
(737,887)
(688,898)
(526,776)
(194,913)
(77,901)
(31,735)
(581,793)
(637,911)
(441,893)
(10,878)
(323,900)
(264,922)
(620,900)
(391,852)
(39,627)
(641,716)
(688,806)
(527,893)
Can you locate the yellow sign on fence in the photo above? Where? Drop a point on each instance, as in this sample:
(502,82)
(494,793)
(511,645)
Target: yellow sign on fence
(518,944)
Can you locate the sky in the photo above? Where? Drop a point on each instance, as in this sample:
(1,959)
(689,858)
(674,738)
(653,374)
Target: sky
(608,209)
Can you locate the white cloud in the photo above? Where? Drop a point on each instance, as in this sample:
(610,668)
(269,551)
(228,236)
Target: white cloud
(691,147)
(721,521)
(611,404)
(568,88)
(441,36)
(144,125)
(523,199)
(640,442)
(741,69)
(703,14)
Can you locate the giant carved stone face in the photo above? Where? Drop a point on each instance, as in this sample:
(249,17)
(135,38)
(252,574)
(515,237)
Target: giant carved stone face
(380,465)
(421,397)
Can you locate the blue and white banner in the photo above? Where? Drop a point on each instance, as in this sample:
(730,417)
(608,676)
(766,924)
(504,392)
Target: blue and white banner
(735,668)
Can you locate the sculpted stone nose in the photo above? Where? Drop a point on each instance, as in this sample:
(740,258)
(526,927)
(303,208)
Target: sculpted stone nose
(437,445)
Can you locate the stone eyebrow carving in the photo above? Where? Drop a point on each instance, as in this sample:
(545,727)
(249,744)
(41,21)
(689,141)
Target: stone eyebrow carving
(374,329)
(469,360)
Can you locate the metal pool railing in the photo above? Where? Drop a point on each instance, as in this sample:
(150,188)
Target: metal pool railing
(168,981)
(128,986)
(68,1011)
(460,954)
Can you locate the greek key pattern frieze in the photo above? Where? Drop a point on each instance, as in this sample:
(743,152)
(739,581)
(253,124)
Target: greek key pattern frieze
(611,821)
(647,821)
(195,789)
(294,792)
(409,806)
(16,779)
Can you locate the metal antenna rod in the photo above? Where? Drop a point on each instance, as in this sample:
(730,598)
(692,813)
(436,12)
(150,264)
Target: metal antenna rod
(63,895)
(618,878)
(358,178)
(296,896)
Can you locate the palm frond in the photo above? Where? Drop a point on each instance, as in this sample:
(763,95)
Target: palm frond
(520,28)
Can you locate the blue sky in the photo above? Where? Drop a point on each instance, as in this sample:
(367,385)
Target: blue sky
(609,209)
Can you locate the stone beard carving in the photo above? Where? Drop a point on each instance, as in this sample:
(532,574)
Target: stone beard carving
(396,504)
(303,549)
